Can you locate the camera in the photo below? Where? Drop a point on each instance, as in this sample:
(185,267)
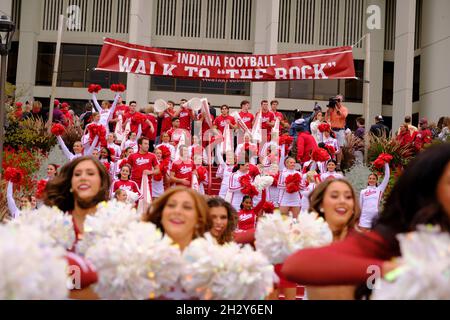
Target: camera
(332,102)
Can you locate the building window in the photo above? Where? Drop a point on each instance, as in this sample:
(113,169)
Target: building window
(416,79)
(352,89)
(76,66)
(388,82)
(11,72)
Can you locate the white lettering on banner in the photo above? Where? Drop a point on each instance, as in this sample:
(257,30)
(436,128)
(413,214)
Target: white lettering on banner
(142,161)
(152,67)
(304,72)
(259,73)
(168,71)
(141,67)
(190,70)
(318,72)
(280,73)
(202,61)
(204,73)
(232,73)
(125,66)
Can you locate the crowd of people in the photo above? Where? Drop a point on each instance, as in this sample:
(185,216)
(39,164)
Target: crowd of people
(160,161)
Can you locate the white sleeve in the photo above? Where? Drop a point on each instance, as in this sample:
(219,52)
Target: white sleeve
(234,184)
(96,104)
(113,107)
(92,147)
(361,199)
(387,173)
(139,133)
(11,202)
(69,155)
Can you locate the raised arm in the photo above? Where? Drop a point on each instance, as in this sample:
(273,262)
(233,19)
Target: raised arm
(69,155)
(96,104)
(92,146)
(258,208)
(387,174)
(139,133)
(11,202)
(113,107)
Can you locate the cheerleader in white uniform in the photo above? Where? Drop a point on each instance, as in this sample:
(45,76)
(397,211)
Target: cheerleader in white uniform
(224,172)
(331,172)
(369,198)
(158,180)
(235,185)
(310,178)
(289,201)
(165,138)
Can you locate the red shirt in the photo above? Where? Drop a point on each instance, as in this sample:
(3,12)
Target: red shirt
(279,115)
(253,171)
(221,121)
(122,108)
(305,145)
(128,185)
(183,169)
(134,125)
(267,117)
(248,118)
(140,162)
(166,122)
(247,218)
(146,128)
(185,119)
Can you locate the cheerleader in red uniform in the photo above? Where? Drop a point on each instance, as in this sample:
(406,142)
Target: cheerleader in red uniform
(248,214)
(202,173)
(159,179)
(182,170)
(124,182)
(289,184)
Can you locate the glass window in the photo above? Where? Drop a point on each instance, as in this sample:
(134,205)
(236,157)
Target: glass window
(282,89)
(416,79)
(238,88)
(188,85)
(324,89)
(217,87)
(12,63)
(162,83)
(388,83)
(352,89)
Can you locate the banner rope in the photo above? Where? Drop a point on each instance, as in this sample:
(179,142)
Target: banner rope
(361,39)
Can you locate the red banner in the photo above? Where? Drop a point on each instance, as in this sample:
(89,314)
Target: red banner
(335,63)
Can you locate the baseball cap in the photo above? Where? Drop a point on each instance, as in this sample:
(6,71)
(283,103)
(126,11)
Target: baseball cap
(379,118)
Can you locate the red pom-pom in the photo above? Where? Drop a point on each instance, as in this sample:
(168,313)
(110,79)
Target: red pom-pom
(40,190)
(166,154)
(320,155)
(268,207)
(247,187)
(324,127)
(293,183)
(379,163)
(202,174)
(107,166)
(382,159)
(121,87)
(114,87)
(19,104)
(14,175)
(56,102)
(94,88)
(330,149)
(57,129)
(139,118)
(64,105)
(285,139)
(122,163)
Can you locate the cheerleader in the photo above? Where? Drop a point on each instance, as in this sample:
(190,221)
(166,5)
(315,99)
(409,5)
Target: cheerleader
(370,198)
(26,202)
(182,170)
(197,148)
(247,147)
(52,171)
(104,110)
(328,140)
(202,173)
(123,159)
(132,140)
(121,195)
(331,172)
(77,148)
(235,194)
(165,138)
(158,179)
(248,214)
(124,183)
(290,197)
(106,158)
(310,184)
(224,172)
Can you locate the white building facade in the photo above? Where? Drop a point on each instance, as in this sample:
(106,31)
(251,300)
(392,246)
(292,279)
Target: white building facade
(409,70)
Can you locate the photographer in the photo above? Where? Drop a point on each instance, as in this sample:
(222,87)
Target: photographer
(336,115)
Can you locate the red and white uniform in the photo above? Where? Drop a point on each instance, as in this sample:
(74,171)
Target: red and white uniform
(183,170)
(224,172)
(140,162)
(287,199)
(235,188)
(331,142)
(369,200)
(305,192)
(117,151)
(247,118)
(331,175)
(157,186)
(175,135)
(127,185)
(267,117)
(134,125)
(202,173)
(240,149)
(146,127)
(170,147)
(221,122)
(247,218)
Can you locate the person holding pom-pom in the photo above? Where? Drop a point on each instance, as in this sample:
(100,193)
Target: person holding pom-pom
(289,184)
(370,197)
(248,214)
(58,130)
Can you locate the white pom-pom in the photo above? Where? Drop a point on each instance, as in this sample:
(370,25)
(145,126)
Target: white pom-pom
(132,197)
(425,270)
(279,236)
(139,263)
(111,219)
(262,182)
(29,267)
(52,221)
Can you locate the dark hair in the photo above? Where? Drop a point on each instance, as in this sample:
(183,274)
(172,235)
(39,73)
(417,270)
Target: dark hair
(215,202)
(54,165)
(129,168)
(243,199)
(171,102)
(360,120)
(132,101)
(224,106)
(108,156)
(244,102)
(58,189)
(175,118)
(141,139)
(408,119)
(274,101)
(264,101)
(413,199)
